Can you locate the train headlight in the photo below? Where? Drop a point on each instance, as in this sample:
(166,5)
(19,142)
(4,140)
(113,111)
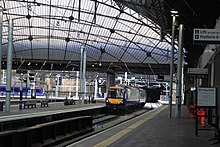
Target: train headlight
(106,101)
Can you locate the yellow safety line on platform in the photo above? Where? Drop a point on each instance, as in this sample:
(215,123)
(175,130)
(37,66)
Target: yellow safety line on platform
(127,130)
(44,112)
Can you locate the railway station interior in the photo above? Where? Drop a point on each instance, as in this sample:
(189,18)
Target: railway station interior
(109,73)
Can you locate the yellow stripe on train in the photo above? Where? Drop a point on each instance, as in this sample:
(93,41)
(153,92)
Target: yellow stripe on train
(116,87)
(115,101)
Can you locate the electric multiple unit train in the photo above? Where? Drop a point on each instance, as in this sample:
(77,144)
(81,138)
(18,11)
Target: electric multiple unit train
(121,97)
(15,90)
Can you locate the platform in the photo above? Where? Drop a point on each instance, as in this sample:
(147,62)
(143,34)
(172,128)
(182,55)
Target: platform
(153,129)
(54,108)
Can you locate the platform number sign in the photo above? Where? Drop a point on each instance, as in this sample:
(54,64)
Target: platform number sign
(206,36)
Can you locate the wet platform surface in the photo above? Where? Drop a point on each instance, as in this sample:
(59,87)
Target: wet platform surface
(153,129)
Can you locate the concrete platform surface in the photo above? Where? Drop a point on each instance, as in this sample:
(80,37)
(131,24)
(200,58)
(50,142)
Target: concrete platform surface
(53,108)
(153,129)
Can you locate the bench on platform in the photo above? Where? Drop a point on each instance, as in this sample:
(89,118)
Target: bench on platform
(69,102)
(44,103)
(30,104)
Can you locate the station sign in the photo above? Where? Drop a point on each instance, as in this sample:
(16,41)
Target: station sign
(206,36)
(198,71)
(206,97)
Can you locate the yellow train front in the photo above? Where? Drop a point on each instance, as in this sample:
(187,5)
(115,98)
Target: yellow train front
(121,98)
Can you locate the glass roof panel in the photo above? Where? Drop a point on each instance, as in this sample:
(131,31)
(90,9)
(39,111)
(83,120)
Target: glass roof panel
(55,30)
(139,55)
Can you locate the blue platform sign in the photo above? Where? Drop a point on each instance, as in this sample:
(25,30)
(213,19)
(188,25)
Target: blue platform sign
(206,36)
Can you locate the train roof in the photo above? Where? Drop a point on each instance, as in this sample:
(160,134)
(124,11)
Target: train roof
(121,86)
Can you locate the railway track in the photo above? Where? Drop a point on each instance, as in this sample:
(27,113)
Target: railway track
(62,129)
(103,122)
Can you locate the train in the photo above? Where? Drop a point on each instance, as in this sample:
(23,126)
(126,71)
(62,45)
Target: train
(15,90)
(122,98)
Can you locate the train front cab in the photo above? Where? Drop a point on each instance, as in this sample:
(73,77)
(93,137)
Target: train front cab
(115,100)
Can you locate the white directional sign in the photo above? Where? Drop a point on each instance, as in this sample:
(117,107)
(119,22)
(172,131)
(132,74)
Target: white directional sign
(197,71)
(206,36)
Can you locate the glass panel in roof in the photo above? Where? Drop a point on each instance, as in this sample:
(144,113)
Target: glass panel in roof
(93,53)
(40,53)
(72,56)
(57,44)
(118,37)
(56,54)
(129,58)
(121,28)
(108,23)
(142,46)
(73,47)
(26,54)
(106,57)
(115,51)
(150,60)
(4,50)
(160,52)
(96,32)
(146,31)
(159,58)
(147,48)
(22,45)
(117,43)
(137,53)
(51,25)
(135,47)
(86,17)
(20,27)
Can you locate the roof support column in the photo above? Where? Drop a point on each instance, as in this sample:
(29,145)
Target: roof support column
(9,66)
(82,75)
(171,65)
(179,73)
(96,88)
(110,78)
(1,25)
(77,84)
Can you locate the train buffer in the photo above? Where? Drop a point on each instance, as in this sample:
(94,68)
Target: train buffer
(30,104)
(44,103)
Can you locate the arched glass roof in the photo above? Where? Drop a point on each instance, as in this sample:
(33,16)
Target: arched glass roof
(56,29)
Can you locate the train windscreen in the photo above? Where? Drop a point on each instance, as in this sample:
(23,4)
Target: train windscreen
(115,93)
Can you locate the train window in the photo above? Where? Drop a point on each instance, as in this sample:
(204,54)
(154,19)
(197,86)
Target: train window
(117,93)
(112,93)
(120,93)
(132,93)
(2,88)
(37,90)
(16,89)
(25,89)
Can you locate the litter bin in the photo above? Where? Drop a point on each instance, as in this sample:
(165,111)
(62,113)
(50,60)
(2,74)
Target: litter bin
(192,111)
(1,105)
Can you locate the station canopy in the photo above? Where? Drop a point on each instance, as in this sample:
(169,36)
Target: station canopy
(54,31)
